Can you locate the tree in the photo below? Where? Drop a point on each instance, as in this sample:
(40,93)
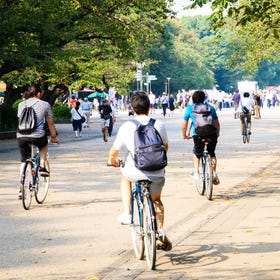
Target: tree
(71,42)
(256,24)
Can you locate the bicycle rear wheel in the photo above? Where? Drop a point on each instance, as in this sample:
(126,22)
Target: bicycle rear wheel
(137,230)
(149,232)
(199,182)
(27,185)
(248,137)
(208,180)
(42,185)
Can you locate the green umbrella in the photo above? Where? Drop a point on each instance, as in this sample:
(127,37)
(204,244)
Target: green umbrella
(98,94)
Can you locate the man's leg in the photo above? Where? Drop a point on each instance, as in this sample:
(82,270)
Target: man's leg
(159,209)
(126,194)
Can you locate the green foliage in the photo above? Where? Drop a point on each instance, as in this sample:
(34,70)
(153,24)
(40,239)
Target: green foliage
(61,111)
(8,118)
(16,103)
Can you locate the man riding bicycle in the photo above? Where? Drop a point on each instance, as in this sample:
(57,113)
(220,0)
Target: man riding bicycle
(39,136)
(198,99)
(125,138)
(245,105)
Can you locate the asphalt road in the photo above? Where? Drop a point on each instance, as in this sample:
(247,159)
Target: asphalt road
(75,234)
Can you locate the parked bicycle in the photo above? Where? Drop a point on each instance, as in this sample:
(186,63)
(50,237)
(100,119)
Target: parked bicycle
(32,183)
(246,132)
(204,182)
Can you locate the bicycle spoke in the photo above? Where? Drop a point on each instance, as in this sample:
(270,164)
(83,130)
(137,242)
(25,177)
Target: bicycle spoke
(27,186)
(137,230)
(149,234)
(42,185)
(208,178)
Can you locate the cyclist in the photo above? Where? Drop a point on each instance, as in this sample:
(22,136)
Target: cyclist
(245,105)
(199,99)
(125,138)
(39,136)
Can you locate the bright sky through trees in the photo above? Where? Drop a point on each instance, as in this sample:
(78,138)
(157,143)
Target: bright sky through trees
(179,5)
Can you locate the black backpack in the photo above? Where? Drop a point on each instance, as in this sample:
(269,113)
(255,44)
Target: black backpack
(27,122)
(203,121)
(149,153)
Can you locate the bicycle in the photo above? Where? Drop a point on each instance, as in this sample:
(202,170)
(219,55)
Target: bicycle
(32,183)
(143,225)
(204,183)
(245,132)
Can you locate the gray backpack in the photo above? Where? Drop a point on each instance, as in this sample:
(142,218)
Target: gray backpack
(27,122)
(203,121)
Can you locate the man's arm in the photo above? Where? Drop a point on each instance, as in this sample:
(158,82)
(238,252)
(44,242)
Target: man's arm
(184,130)
(52,129)
(217,124)
(113,157)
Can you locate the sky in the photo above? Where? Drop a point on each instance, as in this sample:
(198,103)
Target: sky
(179,4)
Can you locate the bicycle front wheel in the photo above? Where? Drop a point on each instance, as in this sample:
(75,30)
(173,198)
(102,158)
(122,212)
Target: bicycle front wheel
(27,185)
(199,182)
(137,230)
(208,179)
(149,220)
(42,185)
(248,137)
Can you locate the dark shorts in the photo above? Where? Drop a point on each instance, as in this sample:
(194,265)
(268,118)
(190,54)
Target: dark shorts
(199,146)
(24,145)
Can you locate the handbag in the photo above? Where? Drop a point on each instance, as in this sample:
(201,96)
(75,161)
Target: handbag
(83,119)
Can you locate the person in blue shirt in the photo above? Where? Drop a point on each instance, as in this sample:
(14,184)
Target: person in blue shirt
(198,98)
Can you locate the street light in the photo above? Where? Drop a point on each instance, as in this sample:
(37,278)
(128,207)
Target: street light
(139,76)
(168,86)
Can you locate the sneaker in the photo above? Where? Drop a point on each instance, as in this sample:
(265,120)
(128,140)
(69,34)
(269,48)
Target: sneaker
(20,193)
(194,175)
(249,132)
(163,243)
(44,172)
(215,179)
(125,219)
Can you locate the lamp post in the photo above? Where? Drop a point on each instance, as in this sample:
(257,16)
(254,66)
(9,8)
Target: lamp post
(139,75)
(168,86)
(165,87)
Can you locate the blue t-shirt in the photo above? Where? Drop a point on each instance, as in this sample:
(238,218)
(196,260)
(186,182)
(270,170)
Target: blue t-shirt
(188,115)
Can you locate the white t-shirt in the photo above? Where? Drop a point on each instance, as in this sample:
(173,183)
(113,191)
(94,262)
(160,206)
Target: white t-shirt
(125,138)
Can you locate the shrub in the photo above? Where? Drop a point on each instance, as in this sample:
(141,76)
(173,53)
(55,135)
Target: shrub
(8,118)
(61,111)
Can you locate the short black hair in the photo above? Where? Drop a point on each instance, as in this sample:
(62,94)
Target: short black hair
(198,96)
(140,103)
(246,94)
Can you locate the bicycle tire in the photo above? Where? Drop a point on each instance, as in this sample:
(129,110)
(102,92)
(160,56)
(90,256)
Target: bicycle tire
(149,232)
(27,185)
(137,230)
(199,184)
(208,179)
(248,137)
(42,185)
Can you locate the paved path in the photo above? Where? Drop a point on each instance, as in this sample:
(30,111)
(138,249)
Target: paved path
(75,235)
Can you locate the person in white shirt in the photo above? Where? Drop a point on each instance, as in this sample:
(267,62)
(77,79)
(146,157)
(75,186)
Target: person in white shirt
(125,138)
(86,111)
(246,104)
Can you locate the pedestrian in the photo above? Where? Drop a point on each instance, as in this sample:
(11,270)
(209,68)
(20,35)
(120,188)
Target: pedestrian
(257,105)
(152,99)
(105,111)
(125,139)
(171,105)
(86,111)
(39,136)
(113,118)
(76,112)
(236,99)
(198,99)
(164,103)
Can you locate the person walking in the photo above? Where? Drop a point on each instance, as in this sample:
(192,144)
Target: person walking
(257,105)
(39,136)
(76,112)
(86,111)
(125,139)
(236,99)
(164,103)
(106,114)
(171,105)
(198,99)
